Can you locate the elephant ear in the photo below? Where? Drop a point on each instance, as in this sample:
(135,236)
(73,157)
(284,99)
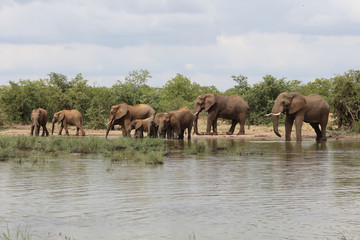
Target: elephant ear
(61,116)
(122,111)
(210,100)
(297,103)
(138,125)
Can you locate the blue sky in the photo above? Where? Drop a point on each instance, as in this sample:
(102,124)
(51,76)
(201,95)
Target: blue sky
(207,41)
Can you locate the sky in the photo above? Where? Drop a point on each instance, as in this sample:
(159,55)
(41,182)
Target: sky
(207,41)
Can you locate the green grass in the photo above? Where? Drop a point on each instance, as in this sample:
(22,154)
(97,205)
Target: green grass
(122,149)
(149,151)
(19,234)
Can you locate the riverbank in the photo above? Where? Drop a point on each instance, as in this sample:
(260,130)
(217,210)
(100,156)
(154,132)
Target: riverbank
(260,132)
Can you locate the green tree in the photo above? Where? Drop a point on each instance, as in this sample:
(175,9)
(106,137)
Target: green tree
(261,98)
(241,87)
(345,98)
(19,99)
(132,90)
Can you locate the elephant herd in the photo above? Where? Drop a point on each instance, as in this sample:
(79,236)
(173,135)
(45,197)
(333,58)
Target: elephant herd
(72,117)
(142,118)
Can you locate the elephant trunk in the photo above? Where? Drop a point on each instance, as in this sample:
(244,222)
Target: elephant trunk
(196,131)
(275,120)
(109,127)
(36,125)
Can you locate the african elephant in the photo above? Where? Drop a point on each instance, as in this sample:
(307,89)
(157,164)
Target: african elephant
(123,114)
(39,119)
(161,123)
(65,117)
(233,107)
(179,121)
(310,109)
(143,125)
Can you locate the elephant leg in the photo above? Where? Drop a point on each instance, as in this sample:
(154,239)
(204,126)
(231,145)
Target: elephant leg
(126,127)
(214,126)
(232,127)
(189,132)
(77,131)
(209,125)
(323,132)
(242,123)
(299,120)
(46,131)
(61,128)
(182,134)
(82,130)
(315,126)
(66,129)
(288,126)
(32,130)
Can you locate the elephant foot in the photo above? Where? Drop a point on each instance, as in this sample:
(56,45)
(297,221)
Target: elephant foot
(229,133)
(241,133)
(321,139)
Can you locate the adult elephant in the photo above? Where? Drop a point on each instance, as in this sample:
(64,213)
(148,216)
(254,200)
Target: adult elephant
(310,109)
(65,117)
(123,114)
(39,119)
(232,107)
(180,120)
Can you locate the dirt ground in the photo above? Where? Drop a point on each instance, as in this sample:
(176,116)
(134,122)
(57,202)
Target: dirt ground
(255,132)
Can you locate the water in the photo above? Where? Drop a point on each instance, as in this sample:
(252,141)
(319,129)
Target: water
(273,190)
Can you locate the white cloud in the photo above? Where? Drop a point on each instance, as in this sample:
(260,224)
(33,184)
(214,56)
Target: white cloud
(207,41)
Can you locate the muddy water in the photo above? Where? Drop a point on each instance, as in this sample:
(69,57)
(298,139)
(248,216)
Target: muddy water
(270,190)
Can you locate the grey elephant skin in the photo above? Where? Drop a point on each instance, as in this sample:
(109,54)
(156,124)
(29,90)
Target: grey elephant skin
(143,125)
(179,121)
(231,107)
(311,109)
(161,124)
(39,119)
(123,114)
(68,117)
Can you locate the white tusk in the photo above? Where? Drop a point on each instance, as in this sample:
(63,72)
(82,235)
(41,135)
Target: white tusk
(273,114)
(196,113)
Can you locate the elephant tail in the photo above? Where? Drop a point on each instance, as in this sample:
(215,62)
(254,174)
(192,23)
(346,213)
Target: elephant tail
(248,118)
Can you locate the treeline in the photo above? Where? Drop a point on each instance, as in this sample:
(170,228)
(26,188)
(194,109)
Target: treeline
(57,92)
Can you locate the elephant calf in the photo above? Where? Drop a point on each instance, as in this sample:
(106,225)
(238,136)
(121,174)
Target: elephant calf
(161,124)
(143,125)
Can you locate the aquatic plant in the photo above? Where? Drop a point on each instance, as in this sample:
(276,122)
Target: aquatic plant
(197,148)
(21,233)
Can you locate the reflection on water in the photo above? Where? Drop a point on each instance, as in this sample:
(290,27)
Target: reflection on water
(272,190)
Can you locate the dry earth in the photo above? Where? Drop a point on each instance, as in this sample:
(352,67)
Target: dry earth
(255,132)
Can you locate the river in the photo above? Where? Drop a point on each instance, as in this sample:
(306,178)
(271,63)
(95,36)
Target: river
(271,190)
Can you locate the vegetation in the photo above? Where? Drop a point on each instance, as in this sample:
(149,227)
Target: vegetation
(57,92)
(148,151)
